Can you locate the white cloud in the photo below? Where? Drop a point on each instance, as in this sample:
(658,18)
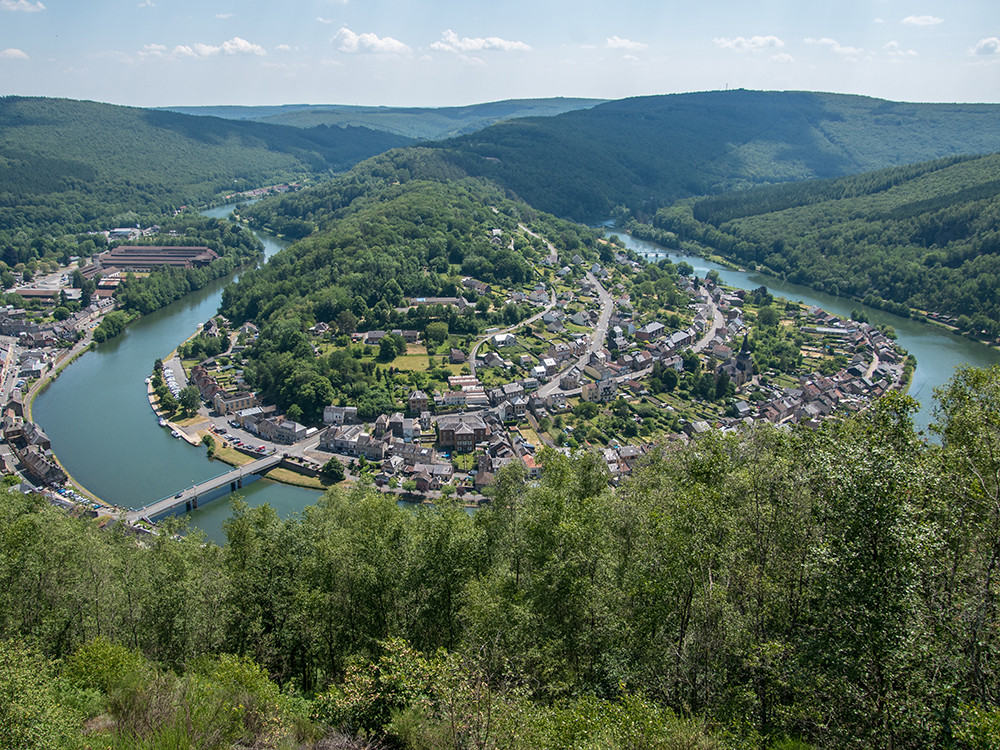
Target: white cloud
(836,46)
(238,46)
(21,5)
(893,48)
(988,46)
(324,20)
(615,42)
(753,44)
(783,57)
(368,42)
(146,4)
(879,20)
(451,42)
(153,50)
(283,48)
(223,16)
(922,21)
(13,54)
(235,46)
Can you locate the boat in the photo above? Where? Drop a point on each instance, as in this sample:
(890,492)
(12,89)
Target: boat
(175,433)
(162,422)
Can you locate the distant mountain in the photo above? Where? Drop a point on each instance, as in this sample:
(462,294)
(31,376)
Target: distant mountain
(197,155)
(424,123)
(647,152)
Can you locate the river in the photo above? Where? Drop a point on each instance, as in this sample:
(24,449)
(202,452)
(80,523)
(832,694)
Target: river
(102,428)
(105,434)
(938,352)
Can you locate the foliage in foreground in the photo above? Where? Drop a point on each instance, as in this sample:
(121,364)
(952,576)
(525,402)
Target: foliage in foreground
(769,589)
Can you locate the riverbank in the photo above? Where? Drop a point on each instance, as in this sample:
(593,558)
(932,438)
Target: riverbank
(938,351)
(63,361)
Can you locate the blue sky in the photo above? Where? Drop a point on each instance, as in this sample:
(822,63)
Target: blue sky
(453,52)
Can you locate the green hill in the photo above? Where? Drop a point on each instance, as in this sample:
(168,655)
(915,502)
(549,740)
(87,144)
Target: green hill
(424,123)
(180,153)
(72,166)
(647,152)
(925,236)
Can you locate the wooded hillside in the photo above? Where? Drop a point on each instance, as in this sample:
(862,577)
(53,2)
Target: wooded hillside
(648,152)
(925,236)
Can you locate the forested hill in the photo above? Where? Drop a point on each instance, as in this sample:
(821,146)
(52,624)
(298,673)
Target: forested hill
(426,123)
(46,143)
(647,152)
(925,236)
(68,167)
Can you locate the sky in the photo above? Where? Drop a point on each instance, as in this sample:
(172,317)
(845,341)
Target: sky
(456,52)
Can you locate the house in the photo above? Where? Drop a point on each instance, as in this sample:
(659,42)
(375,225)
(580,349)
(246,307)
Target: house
(453,398)
(402,427)
(444,472)
(426,482)
(457,356)
(281,430)
(506,411)
(603,390)
(228,403)
(505,339)
(462,432)
(417,402)
(340,415)
(353,440)
(533,468)
(570,380)
(650,331)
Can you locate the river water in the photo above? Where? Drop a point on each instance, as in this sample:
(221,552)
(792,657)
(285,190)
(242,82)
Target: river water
(106,436)
(938,352)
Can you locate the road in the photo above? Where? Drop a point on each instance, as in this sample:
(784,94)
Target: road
(717,322)
(528,322)
(596,339)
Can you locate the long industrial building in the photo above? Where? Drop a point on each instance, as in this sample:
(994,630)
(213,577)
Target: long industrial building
(148,257)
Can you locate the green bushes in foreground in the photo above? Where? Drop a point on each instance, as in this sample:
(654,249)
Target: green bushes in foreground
(768,589)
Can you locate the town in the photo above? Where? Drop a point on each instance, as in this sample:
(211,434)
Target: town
(598,347)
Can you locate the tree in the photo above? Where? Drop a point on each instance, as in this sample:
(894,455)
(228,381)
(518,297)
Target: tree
(167,401)
(436,333)
(31,717)
(333,470)
(189,399)
(767,316)
(347,321)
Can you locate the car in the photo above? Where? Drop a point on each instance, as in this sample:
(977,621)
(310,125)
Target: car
(178,494)
(261,449)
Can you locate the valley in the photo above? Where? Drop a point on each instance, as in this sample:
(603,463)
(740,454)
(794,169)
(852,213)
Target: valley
(569,487)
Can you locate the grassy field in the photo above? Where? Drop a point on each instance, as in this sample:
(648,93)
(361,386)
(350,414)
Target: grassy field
(410,362)
(299,480)
(227,454)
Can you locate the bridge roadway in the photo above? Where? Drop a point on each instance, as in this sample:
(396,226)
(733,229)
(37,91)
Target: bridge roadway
(187,499)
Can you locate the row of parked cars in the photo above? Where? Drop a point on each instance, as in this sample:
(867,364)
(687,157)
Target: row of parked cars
(238,442)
